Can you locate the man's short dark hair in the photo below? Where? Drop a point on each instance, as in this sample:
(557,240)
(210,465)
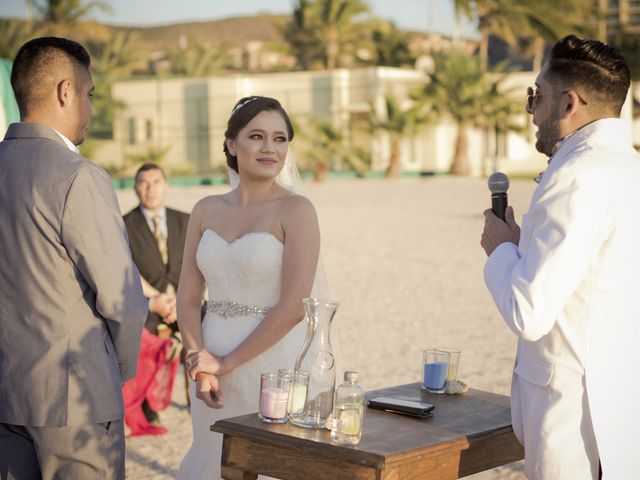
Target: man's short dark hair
(599,69)
(145,167)
(34,63)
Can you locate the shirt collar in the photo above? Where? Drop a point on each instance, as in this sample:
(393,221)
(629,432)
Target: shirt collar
(608,131)
(561,142)
(148,214)
(67,142)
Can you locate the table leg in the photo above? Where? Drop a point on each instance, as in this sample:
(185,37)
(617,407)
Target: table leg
(439,466)
(229,473)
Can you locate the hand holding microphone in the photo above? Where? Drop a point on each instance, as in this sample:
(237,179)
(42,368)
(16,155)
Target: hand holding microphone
(499,222)
(498,185)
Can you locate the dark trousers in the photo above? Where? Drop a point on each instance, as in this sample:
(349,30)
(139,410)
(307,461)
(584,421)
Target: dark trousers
(84,452)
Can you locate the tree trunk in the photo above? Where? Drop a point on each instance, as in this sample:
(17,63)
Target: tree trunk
(320,171)
(484,49)
(538,54)
(393,170)
(460,163)
(332,49)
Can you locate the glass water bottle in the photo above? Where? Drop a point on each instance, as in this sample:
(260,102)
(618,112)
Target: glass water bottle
(348,410)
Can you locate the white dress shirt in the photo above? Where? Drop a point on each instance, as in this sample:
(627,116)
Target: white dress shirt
(148,216)
(67,142)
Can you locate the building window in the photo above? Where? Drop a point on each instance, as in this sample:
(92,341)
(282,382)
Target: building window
(148,129)
(131,131)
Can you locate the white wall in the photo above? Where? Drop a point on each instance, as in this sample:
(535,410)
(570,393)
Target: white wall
(189,117)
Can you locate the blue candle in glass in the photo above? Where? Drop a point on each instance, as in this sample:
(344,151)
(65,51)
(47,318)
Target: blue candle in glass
(435,375)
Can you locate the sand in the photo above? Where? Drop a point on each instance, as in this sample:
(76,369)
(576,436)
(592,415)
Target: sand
(403,258)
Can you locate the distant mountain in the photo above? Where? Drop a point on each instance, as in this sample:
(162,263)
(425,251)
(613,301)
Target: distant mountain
(233,31)
(237,31)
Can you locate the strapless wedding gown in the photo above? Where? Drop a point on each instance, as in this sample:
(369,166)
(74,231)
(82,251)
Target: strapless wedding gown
(246,271)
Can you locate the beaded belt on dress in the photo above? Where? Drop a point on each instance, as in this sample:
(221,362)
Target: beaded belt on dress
(227,308)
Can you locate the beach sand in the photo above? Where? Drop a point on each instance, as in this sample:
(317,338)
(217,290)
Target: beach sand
(404,260)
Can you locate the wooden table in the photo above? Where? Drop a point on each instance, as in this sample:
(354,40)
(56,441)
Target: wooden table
(469,433)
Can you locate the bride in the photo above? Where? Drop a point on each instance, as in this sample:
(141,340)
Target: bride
(256,248)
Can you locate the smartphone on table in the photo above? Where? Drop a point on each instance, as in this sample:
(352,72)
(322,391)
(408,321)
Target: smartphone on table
(405,407)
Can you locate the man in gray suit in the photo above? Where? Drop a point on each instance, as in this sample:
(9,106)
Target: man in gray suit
(71,304)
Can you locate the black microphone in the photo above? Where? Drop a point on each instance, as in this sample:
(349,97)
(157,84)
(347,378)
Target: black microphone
(499,184)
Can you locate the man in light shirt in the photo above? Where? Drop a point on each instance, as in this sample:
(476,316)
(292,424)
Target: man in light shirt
(71,303)
(567,282)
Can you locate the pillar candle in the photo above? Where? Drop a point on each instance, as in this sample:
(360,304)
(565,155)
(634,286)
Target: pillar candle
(297,398)
(273,402)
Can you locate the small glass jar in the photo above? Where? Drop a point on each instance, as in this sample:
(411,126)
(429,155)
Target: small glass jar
(348,411)
(298,393)
(274,397)
(435,369)
(454,362)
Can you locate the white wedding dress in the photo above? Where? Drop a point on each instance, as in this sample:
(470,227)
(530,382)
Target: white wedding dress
(246,271)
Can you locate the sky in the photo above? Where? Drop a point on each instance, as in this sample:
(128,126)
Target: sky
(419,15)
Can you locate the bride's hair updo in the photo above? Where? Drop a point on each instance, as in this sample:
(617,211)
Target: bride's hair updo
(243,113)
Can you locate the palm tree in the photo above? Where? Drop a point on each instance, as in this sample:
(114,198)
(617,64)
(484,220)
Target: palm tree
(16,33)
(116,58)
(513,20)
(628,43)
(301,36)
(69,12)
(460,89)
(337,25)
(326,146)
(397,122)
(391,46)
(113,60)
(321,28)
(199,60)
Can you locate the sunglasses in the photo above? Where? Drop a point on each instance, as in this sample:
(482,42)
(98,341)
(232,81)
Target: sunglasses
(532,95)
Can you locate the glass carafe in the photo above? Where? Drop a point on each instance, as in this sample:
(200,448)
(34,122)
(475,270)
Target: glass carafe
(317,358)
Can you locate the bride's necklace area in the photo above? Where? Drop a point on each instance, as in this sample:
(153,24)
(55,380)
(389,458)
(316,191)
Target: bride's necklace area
(274,193)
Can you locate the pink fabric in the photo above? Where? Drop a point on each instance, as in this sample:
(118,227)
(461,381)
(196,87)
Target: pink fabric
(153,382)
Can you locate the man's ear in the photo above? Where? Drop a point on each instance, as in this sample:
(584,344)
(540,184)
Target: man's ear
(64,91)
(569,104)
(231,146)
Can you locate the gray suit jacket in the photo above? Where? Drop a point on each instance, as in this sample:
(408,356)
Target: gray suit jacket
(71,303)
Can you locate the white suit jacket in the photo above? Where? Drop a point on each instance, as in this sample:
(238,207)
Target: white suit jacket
(570,290)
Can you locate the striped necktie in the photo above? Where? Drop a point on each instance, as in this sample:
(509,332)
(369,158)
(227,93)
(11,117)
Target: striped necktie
(161,239)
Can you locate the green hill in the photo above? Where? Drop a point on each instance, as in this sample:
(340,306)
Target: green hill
(233,31)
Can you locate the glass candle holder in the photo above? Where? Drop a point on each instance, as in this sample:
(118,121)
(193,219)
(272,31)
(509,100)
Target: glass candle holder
(298,393)
(435,368)
(274,397)
(454,362)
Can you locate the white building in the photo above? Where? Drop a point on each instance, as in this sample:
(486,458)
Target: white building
(184,120)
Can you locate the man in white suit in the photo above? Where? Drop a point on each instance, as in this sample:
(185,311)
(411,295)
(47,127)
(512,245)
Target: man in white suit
(566,284)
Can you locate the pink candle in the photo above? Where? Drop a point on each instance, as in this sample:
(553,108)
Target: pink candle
(273,402)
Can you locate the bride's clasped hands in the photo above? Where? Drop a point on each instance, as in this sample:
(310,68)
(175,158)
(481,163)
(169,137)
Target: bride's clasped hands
(204,368)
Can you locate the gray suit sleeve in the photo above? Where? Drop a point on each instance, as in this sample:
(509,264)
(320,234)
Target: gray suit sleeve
(95,237)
